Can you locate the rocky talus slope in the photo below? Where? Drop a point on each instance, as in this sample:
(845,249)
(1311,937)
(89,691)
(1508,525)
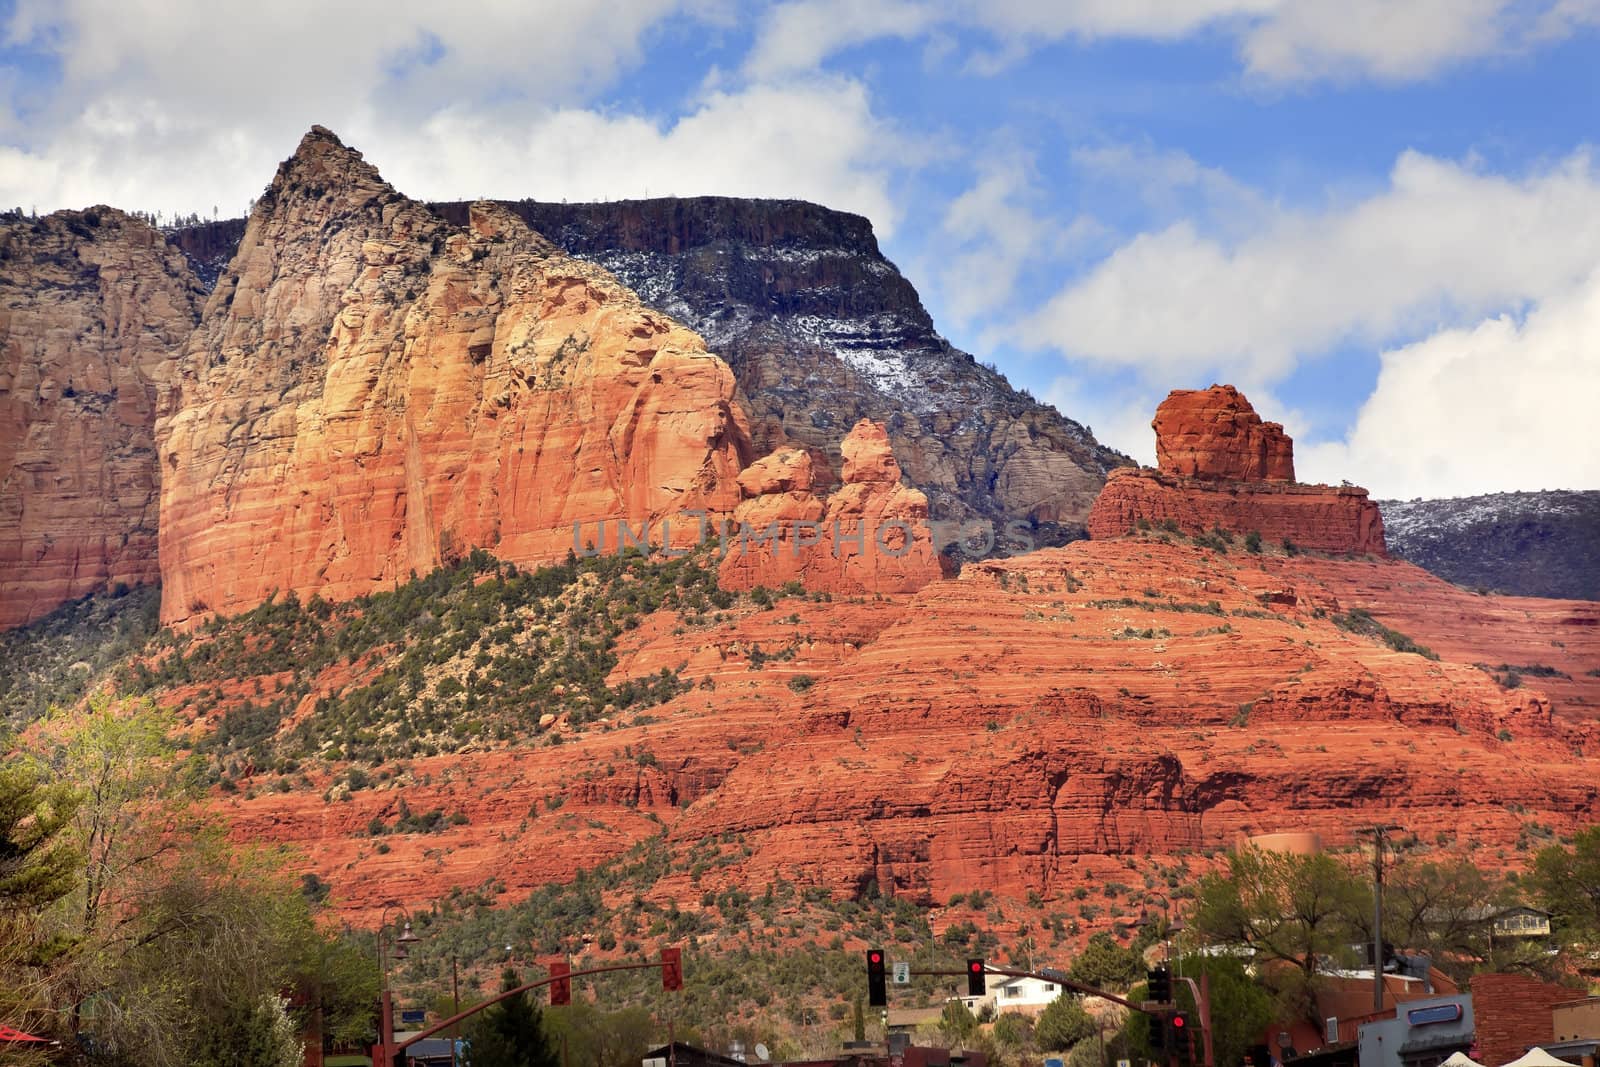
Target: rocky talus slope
(372,391)
(823,331)
(1222,468)
(94,306)
(1544,544)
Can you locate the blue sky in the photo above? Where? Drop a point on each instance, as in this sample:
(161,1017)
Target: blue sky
(1381,218)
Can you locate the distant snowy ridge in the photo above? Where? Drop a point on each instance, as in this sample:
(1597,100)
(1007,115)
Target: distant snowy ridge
(1544,543)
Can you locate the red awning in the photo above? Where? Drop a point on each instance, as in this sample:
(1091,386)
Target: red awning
(8,1034)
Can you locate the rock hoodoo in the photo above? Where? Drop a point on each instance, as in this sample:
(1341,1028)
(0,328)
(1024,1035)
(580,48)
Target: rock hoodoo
(373,390)
(1215,435)
(1222,467)
(93,306)
(871,535)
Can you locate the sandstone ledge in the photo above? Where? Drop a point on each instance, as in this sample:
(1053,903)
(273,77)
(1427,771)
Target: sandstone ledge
(1321,517)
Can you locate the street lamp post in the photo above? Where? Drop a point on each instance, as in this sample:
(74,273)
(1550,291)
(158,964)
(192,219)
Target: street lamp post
(386,995)
(1378,833)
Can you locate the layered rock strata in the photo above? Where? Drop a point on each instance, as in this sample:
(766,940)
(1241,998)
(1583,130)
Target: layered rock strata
(871,535)
(1041,724)
(1221,467)
(372,391)
(94,306)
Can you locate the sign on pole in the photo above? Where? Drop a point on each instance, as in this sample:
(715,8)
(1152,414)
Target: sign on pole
(902,974)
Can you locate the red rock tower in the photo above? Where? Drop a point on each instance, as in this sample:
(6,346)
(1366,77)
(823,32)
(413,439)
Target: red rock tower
(1215,434)
(1221,467)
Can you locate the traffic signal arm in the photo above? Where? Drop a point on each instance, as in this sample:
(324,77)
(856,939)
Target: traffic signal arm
(508,994)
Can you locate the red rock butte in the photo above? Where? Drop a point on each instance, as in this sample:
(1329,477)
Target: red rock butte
(1221,467)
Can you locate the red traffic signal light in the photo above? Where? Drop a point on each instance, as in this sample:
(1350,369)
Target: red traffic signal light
(877,984)
(671,969)
(560,984)
(1180,1021)
(975,982)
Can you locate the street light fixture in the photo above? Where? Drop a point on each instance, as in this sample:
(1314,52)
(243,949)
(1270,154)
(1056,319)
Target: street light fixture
(1378,834)
(401,952)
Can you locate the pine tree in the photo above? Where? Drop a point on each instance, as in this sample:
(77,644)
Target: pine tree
(510,1034)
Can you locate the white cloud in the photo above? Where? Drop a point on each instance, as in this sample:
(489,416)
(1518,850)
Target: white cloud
(179,107)
(1280,41)
(1119,416)
(1498,406)
(1307,39)
(993,232)
(799,35)
(1443,243)
(817,141)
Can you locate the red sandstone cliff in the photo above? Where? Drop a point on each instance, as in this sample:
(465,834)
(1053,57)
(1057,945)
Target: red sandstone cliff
(871,535)
(1042,723)
(372,390)
(93,305)
(1222,467)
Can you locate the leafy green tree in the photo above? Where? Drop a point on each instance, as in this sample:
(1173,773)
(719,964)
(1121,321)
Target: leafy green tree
(1063,1023)
(1085,1053)
(1293,913)
(1107,965)
(175,944)
(37,863)
(511,1033)
(957,1024)
(249,1035)
(37,868)
(1439,908)
(1566,882)
(1014,1030)
(595,1038)
(1240,1007)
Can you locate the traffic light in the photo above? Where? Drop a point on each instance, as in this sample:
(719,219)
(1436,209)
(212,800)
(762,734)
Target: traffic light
(1159,983)
(1181,1035)
(671,969)
(975,983)
(877,989)
(560,984)
(1158,1032)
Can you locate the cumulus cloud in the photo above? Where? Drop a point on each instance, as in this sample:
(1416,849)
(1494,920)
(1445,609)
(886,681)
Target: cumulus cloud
(177,108)
(1279,41)
(1441,244)
(1504,404)
(817,141)
(995,230)
(798,36)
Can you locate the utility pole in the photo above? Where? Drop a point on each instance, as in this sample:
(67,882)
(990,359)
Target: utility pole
(1377,833)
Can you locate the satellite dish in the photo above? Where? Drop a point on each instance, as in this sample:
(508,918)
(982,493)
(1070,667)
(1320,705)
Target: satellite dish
(761,1053)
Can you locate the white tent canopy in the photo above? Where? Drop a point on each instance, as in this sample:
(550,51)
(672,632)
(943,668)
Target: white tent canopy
(1460,1059)
(1538,1057)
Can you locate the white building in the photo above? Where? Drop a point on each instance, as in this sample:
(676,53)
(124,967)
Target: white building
(1002,994)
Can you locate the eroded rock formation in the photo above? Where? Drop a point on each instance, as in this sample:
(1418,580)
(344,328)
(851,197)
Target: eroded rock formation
(372,390)
(93,307)
(871,535)
(1214,434)
(1221,467)
(822,331)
